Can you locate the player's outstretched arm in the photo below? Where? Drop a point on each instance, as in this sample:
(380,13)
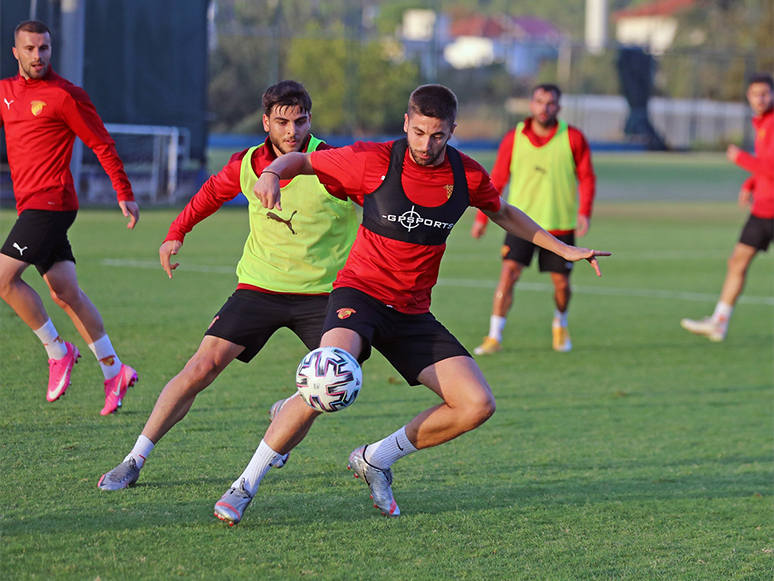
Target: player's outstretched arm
(285,167)
(513,220)
(132,211)
(168,249)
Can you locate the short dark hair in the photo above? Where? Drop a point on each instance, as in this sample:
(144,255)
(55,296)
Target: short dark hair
(286,94)
(761,78)
(31,26)
(549,88)
(434,101)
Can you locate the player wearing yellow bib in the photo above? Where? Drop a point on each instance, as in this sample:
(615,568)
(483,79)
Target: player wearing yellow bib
(544,162)
(286,272)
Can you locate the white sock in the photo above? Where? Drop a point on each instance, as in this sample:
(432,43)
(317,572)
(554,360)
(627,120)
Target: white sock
(142,448)
(496,326)
(384,453)
(560,318)
(259,465)
(55,347)
(106,355)
(722,312)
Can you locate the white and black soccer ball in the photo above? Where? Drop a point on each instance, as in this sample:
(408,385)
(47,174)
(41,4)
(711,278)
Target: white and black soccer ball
(329,379)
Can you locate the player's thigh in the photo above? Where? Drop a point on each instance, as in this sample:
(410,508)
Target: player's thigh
(352,320)
(551,262)
(249,319)
(413,343)
(517,250)
(215,353)
(39,237)
(742,256)
(307,316)
(757,233)
(349,340)
(11,269)
(62,279)
(459,382)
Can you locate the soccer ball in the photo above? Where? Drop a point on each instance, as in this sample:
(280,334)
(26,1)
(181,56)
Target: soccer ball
(329,379)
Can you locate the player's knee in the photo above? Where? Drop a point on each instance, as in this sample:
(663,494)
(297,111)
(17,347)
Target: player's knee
(737,263)
(8,282)
(202,370)
(511,272)
(66,297)
(6,288)
(480,408)
(561,283)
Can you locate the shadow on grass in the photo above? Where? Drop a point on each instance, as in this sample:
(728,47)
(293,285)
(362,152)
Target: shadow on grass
(153,505)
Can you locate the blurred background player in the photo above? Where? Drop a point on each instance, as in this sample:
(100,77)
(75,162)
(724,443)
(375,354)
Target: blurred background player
(42,113)
(544,162)
(757,191)
(413,191)
(289,262)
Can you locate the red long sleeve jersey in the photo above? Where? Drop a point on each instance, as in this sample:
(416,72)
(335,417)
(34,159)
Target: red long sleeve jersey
(399,274)
(581,153)
(41,118)
(761,165)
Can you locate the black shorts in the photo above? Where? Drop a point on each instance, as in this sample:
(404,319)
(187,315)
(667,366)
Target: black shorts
(757,232)
(39,237)
(410,343)
(521,251)
(250,317)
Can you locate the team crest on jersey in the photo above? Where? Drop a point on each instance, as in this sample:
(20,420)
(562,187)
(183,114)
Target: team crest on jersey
(345,313)
(449,189)
(37,107)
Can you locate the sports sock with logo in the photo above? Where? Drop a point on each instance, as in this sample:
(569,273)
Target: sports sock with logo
(263,459)
(106,355)
(496,326)
(384,453)
(141,451)
(55,347)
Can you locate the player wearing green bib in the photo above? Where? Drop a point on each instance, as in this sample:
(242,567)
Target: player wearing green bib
(544,162)
(286,272)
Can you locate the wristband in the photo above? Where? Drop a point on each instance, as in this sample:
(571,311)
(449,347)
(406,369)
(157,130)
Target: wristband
(272,173)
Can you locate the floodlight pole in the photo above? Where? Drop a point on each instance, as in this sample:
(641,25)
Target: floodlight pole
(73,31)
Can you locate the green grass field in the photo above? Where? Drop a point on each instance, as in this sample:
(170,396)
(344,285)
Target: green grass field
(644,454)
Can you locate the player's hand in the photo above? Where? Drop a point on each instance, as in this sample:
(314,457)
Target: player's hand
(732,153)
(169,248)
(745,198)
(582,225)
(574,254)
(478,230)
(267,189)
(132,211)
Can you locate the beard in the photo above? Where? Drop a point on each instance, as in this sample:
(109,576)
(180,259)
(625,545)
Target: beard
(280,145)
(33,73)
(432,160)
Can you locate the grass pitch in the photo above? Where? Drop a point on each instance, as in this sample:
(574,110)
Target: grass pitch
(645,453)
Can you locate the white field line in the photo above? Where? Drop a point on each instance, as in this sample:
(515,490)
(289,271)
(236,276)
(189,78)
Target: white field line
(156,265)
(601,290)
(651,255)
(490,284)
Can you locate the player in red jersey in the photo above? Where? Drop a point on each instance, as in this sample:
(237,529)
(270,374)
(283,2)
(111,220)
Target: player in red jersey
(546,165)
(757,191)
(413,191)
(42,113)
